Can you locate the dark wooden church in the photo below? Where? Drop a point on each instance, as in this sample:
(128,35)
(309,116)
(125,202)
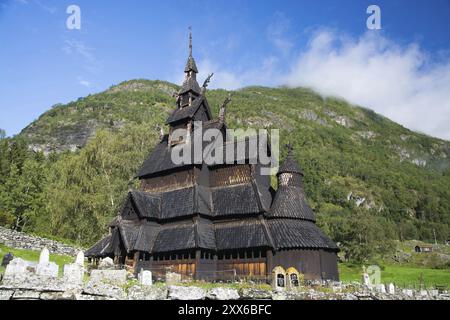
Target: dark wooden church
(215,221)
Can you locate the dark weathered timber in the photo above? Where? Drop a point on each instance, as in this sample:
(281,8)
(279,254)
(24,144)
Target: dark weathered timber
(217,221)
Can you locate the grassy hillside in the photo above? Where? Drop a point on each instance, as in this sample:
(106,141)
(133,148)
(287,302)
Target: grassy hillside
(369,179)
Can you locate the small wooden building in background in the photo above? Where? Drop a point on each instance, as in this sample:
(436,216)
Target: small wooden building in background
(423,248)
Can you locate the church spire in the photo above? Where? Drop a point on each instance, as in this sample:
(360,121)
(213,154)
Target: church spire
(190,90)
(290,165)
(190,42)
(191,67)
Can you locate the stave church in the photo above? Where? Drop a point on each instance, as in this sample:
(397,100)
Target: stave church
(215,222)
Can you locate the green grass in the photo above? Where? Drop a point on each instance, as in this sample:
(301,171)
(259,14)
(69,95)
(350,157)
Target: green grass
(400,275)
(31,255)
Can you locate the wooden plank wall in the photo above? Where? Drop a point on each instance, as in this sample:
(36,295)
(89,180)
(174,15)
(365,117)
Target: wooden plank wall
(173,181)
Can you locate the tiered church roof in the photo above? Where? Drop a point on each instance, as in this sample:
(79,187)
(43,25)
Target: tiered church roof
(247,214)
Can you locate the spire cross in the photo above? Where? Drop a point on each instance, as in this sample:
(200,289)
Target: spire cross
(190,41)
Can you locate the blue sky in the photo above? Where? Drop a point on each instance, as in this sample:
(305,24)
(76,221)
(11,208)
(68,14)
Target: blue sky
(401,71)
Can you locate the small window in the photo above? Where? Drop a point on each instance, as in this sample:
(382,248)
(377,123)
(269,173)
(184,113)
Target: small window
(280,280)
(294,279)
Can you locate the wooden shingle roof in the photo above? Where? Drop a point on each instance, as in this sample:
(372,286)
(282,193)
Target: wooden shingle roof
(99,248)
(181,114)
(290,165)
(290,202)
(294,233)
(248,233)
(235,200)
(175,238)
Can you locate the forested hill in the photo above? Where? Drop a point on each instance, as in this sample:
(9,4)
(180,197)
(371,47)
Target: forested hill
(369,179)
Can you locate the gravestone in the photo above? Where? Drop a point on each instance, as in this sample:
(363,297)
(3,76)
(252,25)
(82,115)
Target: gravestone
(391,288)
(45,267)
(80,258)
(381,288)
(278,278)
(16,267)
(109,276)
(106,263)
(145,278)
(366,280)
(44,257)
(7,259)
(292,278)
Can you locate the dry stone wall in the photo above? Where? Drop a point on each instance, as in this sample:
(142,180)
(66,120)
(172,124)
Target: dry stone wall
(20,240)
(34,287)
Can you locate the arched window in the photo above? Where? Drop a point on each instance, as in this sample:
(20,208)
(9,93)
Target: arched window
(294,279)
(280,280)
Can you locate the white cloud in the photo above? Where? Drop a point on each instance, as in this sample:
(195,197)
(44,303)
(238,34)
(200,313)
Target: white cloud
(84,83)
(235,79)
(222,78)
(399,82)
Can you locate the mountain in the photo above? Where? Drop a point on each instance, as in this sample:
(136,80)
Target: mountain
(355,161)
(69,127)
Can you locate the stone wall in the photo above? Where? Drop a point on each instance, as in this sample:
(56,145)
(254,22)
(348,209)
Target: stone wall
(38,288)
(20,240)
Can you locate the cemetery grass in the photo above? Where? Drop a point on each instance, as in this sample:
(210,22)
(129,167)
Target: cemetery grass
(31,255)
(400,275)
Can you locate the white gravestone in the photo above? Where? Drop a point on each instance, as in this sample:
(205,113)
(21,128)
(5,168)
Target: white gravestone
(106,263)
(145,278)
(45,267)
(44,257)
(15,267)
(391,288)
(381,288)
(80,258)
(278,278)
(366,279)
